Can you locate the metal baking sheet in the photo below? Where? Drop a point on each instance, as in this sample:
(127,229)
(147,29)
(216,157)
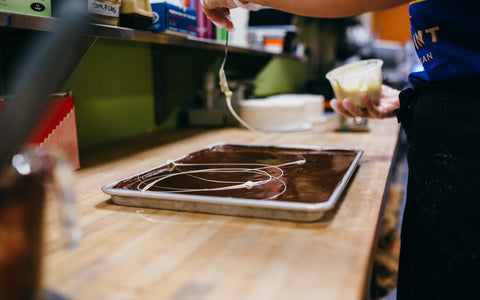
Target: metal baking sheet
(288,182)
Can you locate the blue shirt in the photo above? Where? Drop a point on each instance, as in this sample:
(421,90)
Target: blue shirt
(446,36)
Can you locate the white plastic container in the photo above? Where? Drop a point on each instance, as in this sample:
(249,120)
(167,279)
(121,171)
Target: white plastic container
(314,105)
(274,114)
(357,78)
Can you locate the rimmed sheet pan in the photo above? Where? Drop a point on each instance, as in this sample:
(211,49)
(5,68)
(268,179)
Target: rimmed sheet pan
(287,182)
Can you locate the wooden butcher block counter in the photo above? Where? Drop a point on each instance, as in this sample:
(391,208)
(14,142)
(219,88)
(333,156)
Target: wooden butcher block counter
(130,253)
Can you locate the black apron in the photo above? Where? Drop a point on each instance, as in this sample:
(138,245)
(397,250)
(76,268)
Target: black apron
(440,238)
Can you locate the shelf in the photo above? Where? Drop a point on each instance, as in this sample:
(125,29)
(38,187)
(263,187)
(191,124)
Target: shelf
(39,23)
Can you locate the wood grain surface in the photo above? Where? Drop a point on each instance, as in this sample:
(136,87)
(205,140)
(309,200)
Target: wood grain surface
(158,254)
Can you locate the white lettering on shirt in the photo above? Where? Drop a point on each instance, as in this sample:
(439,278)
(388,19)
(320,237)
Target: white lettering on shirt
(430,33)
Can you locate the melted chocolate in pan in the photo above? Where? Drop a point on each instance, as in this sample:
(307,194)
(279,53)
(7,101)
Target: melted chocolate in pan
(310,182)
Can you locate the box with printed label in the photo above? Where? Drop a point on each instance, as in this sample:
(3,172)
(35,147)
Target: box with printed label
(32,7)
(56,128)
(174,19)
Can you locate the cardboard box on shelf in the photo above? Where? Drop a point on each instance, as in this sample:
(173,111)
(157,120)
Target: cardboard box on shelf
(169,17)
(32,7)
(56,127)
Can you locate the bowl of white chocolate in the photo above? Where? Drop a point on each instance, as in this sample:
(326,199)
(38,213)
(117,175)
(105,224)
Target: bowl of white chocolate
(355,79)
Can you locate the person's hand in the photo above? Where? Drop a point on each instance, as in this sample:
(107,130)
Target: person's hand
(387,103)
(218,11)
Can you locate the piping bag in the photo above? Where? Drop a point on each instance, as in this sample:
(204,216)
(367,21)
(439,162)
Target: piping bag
(47,63)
